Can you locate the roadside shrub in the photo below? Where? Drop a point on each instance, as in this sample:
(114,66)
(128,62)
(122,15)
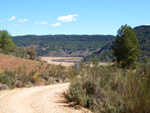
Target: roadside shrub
(8,78)
(20,52)
(78,93)
(111,89)
(31,52)
(20,77)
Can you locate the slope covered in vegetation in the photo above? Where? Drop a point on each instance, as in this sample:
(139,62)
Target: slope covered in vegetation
(143,34)
(68,43)
(20,72)
(109,89)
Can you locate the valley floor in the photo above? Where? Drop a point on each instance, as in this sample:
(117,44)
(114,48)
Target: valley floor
(64,61)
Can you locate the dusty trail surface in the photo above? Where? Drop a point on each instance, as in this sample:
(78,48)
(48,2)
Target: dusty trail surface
(42,99)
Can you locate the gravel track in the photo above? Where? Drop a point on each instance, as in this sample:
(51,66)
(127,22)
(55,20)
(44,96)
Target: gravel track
(41,99)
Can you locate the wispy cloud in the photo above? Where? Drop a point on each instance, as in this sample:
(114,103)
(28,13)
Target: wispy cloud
(24,20)
(55,25)
(1,21)
(16,24)
(68,18)
(12,18)
(41,22)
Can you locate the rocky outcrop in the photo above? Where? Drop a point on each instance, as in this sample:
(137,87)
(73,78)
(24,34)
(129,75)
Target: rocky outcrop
(3,87)
(41,82)
(18,83)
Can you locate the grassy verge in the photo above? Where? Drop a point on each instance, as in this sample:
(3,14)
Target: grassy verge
(42,74)
(108,89)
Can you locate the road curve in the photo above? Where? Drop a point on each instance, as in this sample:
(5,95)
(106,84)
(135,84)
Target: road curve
(41,99)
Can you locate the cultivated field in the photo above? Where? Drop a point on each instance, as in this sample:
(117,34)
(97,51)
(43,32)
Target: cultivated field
(12,63)
(64,61)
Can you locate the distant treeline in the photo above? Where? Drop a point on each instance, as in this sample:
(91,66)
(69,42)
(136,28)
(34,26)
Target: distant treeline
(143,34)
(47,43)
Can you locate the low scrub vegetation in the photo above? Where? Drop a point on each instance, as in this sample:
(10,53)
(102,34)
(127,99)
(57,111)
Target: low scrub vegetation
(109,89)
(16,72)
(42,74)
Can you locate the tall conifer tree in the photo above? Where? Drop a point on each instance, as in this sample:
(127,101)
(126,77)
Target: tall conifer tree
(126,49)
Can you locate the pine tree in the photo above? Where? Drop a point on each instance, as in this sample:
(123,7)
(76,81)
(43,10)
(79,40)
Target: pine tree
(6,44)
(126,48)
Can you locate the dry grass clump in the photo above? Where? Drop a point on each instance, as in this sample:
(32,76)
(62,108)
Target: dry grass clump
(108,89)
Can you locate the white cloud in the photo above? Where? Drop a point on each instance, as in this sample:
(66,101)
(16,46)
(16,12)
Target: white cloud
(55,25)
(1,21)
(24,20)
(12,18)
(41,22)
(68,18)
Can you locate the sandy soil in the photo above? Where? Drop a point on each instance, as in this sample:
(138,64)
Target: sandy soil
(42,99)
(105,64)
(70,59)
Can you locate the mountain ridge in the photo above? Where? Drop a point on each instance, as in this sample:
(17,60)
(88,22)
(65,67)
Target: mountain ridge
(143,34)
(70,45)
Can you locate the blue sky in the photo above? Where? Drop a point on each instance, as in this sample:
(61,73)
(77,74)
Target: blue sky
(42,17)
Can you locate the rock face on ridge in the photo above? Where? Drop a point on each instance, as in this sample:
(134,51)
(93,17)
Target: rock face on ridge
(70,53)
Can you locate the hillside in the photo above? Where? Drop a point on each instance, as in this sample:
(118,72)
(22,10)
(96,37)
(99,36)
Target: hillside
(82,45)
(105,53)
(14,63)
(19,72)
(143,34)
(64,45)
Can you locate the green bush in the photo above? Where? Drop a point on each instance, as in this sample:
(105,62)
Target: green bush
(8,78)
(22,77)
(111,89)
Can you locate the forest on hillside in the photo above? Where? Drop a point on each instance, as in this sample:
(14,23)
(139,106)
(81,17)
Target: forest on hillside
(143,34)
(47,43)
(71,43)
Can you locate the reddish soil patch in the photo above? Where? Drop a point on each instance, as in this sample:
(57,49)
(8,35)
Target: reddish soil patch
(10,62)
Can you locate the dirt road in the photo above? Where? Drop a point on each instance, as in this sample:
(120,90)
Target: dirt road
(41,99)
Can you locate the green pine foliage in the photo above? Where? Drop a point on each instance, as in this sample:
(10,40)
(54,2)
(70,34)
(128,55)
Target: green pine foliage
(6,44)
(126,49)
